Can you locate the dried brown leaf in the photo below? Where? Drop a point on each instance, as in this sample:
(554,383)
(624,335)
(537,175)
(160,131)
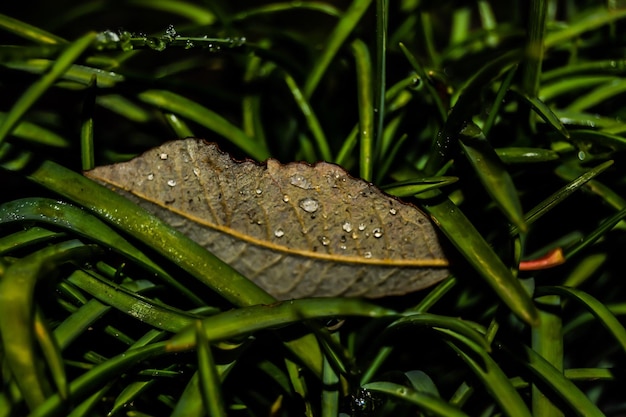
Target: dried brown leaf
(296,230)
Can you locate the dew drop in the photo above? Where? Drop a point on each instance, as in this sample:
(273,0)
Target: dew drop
(171,32)
(279,232)
(259,191)
(300,181)
(347,227)
(393,211)
(361,226)
(163,156)
(150,177)
(286,198)
(189,44)
(324,240)
(196,172)
(171,183)
(344,247)
(377,232)
(367,255)
(310,205)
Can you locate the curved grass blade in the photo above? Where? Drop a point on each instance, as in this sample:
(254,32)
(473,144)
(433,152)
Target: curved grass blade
(424,401)
(37,89)
(16,313)
(464,236)
(73,326)
(178,125)
(310,117)
(195,13)
(599,95)
(585,138)
(604,227)
(80,74)
(247,320)
(491,172)
(51,352)
(554,379)
(320,7)
(365,97)
(594,306)
(29,32)
(72,218)
(25,238)
(340,33)
(410,188)
(499,100)
(602,16)
(172,244)
(177,104)
(493,378)
(545,112)
(190,402)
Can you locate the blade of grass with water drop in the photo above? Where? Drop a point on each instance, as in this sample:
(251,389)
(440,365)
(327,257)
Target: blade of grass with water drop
(182,106)
(37,89)
(519,155)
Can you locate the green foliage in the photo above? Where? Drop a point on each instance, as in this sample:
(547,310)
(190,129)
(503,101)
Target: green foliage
(503,121)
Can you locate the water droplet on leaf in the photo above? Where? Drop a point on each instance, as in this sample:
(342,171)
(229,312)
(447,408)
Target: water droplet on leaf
(377,232)
(324,240)
(279,232)
(347,227)
(300,181)
(171,183)
(310,205)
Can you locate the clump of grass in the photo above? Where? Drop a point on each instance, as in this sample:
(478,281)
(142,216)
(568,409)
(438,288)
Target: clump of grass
(504,125)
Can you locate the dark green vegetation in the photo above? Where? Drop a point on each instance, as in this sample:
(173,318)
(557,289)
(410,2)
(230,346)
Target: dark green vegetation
(502,120)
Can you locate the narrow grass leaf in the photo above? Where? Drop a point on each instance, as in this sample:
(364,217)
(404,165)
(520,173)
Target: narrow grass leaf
(72,218)
(330,391)
(36,90)
(33,133)
(492,377)
(29,32)
(423,400)
(311,119)
(600,17)
(545,112)
(77,323)
(124,107)
(519,155)
(499,100)
(554,380)
(464,236)
(596,234)
(86,407)
(51,352)
(549,203)
(182,106)
(24,238)
(209,379)
(190,401)
(380,77)
(567,86)
(335,40)
(194,12)
(365,97)
(598,96)
(409,188)
(594,306)
(247,320)
(587,139)
(536,31)
(492,174)
(16,313)
(86,131)
(80,74)
(178,125)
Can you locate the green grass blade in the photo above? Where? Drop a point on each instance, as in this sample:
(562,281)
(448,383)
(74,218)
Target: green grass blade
(177,104)
(36,90)
(311,119)
(16,313)
(24,238)
(190,402)
(464,236)
(51,352)
(424,401)
(531,68)
(492,174)
(544,111)
(73,326)
(33,133)
(86,132)
(178,125)
(209,379)
(594,306)
(380,78)
(29,32)
(330,392)
(196,13)
(366,109)
(601,17)
(72,218)
(335,40)
(521,155)
(80,74)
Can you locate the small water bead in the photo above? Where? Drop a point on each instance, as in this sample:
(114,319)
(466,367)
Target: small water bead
(286,198)
(377,232)
(347,227)
(171,183)
(171,32)
(393,211)
(196,172)
(367,255)
(259,191)
(300,181)
(343,247)
(310,205)
(163,156)
(361,226)
(324,240)
(150,177)
(279,232)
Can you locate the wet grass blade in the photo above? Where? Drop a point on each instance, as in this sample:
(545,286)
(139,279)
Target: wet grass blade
(209,379)
(422,400)
(182,106)
(520,155)
(24,238)
(478,253)
(492,173)
(36,90)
